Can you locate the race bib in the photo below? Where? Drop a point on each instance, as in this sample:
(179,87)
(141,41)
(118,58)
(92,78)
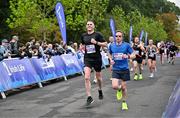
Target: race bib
(137,52)
(151,55)
(172,52)
(118,56)
(90,49)
(142,53)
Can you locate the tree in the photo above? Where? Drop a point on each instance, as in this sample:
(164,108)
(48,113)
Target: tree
(31,17)
(139,22)
(4,13)
(148,8)
(170,22)
(79,11)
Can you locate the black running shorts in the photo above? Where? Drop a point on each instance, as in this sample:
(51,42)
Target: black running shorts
(152,58)
(121,74)
(139,60)
(94,64)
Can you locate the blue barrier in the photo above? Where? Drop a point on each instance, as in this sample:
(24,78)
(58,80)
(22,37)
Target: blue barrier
(173,106)
(72,64)
(59,66)
(16,73)
(45,69)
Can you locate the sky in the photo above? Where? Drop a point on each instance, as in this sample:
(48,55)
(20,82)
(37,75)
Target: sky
(177,2)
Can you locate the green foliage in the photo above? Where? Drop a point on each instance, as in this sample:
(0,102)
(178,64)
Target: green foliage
(170,22)
(79,11)
(31,16)
(139,22)
(4,14)
(37,17)
(148,8)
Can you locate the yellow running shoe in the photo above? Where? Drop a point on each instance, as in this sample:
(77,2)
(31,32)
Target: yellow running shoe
(119,94)
(135,77)
(140,77)
(124,106)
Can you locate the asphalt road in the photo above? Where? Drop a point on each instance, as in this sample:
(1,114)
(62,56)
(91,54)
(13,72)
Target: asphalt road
(66,99)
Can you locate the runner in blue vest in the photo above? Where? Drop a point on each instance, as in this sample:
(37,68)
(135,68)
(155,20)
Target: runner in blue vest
(119,53)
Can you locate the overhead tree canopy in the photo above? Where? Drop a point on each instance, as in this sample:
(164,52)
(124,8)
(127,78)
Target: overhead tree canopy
(37,17)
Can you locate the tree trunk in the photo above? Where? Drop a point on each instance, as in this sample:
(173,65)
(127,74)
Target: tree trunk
(44,36)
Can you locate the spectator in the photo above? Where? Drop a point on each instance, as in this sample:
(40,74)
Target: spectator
(49,51)
(111,39)
(22,51)
(28,50)
(32,41)
(14,46)
(67,49)
(58,49)
(75,46)
(35,51)
(5,48)
(71,47)
(41,50)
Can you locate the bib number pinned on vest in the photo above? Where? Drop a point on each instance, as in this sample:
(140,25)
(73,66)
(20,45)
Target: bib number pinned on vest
(90,49)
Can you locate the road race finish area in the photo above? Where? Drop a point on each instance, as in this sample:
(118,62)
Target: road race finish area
(146,98)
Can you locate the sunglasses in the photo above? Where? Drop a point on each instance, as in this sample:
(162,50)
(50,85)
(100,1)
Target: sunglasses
(89,24)
(118,36)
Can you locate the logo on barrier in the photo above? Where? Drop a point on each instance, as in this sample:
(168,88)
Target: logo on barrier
(14,68)
(69,61)
(47,64)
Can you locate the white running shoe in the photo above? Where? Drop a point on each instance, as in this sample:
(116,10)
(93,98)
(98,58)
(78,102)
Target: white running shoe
(151,75)
(95,81)
(131,69)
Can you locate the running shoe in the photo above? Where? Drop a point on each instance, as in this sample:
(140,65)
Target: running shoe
(119,94)
(100,94)
(151,75)
(135,77)
(95,81)
(140,77)
(131,69)
(89,101)
(124,105)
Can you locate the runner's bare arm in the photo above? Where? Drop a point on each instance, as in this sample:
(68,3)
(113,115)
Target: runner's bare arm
(142,47)
(103,44)
(132,56)
(110,57)
(157,50)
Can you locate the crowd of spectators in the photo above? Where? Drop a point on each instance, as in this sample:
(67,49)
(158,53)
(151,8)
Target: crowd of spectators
(40,49)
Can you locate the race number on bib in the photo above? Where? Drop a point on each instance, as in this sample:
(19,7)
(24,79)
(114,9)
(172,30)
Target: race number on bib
(151,55)
(90,49)
(136,51)
(118,56)
(142,53)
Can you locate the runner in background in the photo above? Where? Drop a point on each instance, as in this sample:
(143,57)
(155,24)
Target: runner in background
(172,52)
(161,52)
(137,62)
(151,52)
